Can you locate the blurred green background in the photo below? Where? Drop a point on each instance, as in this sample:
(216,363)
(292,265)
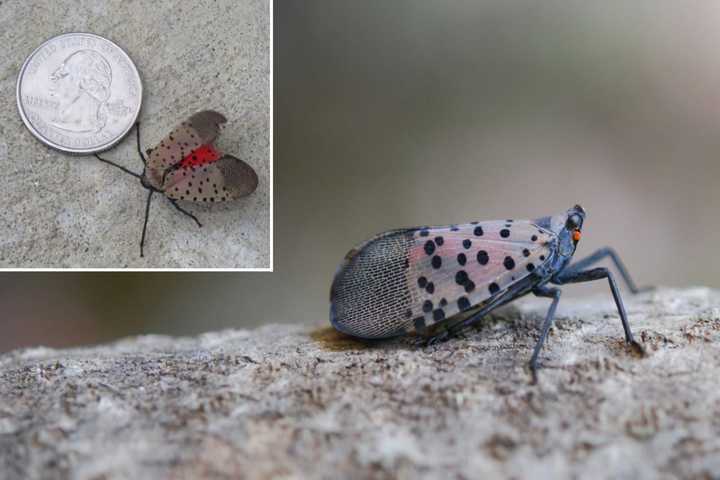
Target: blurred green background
(401,113)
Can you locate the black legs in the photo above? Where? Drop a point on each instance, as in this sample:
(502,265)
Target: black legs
(574,275)
(151,190)
(553,293)
(142,157)
(129,172)
(139,148)
(600,255)
(577,273)
(147,214)
(174,203)
(598,274)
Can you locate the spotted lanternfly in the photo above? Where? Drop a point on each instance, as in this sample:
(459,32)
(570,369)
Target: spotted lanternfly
(186,166)
(436,281)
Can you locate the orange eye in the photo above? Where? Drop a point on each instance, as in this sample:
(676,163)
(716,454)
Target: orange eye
(577,235)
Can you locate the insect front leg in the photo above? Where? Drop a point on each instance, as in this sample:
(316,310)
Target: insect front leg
(573,276)
(139,148)
(548,292)
(129,172)
(599,255)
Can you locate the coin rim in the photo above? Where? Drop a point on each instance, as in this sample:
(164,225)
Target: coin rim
(50,143)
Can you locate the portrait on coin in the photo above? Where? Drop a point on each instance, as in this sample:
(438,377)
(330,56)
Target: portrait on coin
(81,85)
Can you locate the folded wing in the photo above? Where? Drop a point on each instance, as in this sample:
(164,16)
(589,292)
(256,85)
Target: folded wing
(408,279)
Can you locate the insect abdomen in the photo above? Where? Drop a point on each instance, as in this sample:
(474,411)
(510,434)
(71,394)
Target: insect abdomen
(370,295)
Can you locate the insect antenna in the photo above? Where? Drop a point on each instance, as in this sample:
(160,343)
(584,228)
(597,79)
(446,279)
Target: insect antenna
(147,214)
(129,172)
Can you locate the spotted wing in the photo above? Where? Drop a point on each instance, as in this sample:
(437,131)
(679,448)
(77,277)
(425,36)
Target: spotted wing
(194,135)
(455,268)
(406,280)
(226,179)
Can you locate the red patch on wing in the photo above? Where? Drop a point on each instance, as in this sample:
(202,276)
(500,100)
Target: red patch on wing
(202,155)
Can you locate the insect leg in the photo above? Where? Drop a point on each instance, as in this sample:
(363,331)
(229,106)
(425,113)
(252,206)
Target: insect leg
(117,166)
(139,149)
(147,214)
(553,293)
(174,202)
(168,170)
(600,255)
(473,317)
(598,274)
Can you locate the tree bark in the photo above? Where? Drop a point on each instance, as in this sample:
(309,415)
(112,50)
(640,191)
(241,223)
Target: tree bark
(297,402)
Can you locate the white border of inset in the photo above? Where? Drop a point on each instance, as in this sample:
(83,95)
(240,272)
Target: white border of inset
(271,19)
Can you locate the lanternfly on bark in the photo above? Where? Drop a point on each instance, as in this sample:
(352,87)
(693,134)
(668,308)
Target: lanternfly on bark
(186,166)
(436,281)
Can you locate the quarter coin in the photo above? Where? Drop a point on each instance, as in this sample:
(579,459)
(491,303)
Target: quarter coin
(79,93)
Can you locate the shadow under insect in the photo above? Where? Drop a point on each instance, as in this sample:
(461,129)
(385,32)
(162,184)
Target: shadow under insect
(334,340)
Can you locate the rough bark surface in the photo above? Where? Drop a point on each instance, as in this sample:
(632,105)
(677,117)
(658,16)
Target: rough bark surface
(296,402)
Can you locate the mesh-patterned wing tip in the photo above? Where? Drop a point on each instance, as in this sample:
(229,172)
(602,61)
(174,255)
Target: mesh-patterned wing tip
(207,124)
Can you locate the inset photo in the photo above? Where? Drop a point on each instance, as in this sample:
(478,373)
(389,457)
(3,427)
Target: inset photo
(141,137)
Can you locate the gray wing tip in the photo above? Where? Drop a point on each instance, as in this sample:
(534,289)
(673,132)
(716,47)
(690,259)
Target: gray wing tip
(207,124)
(210,116)
(246,175)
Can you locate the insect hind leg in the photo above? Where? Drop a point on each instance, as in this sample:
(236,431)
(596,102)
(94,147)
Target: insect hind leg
(437,338)
(452,330)
(548,292)
(182,210)
(600,255)
(144,230)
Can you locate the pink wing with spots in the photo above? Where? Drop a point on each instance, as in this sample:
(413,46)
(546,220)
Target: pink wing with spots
(454,268)
(406,280)
(225,179)
(191,141)
(186,165)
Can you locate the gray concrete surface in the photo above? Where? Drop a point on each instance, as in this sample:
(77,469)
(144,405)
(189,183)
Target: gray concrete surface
(63,211)
(297,402)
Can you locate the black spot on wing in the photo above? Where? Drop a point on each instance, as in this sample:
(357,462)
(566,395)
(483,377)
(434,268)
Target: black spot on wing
(482,257)
(429,247)
(463,303)
(436,262)
(509,263)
